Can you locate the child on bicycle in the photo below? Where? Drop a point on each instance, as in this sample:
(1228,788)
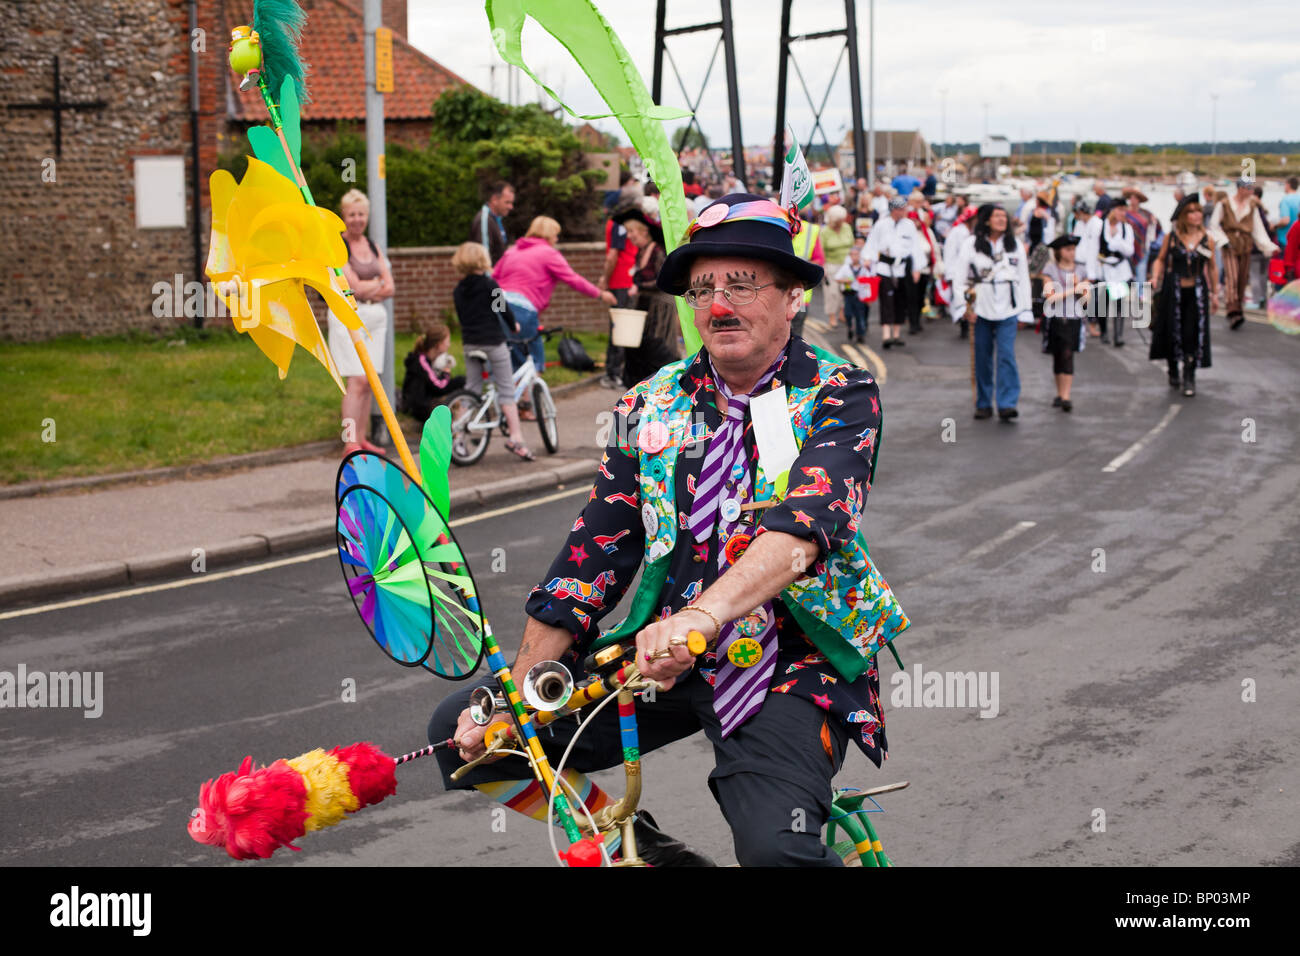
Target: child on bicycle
(486,322)
(428,372)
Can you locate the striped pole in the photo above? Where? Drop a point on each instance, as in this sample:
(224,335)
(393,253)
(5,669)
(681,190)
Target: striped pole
(500,670)
(423,752)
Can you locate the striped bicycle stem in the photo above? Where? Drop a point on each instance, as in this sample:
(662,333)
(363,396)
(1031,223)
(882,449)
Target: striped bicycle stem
(524,725)
(341,285)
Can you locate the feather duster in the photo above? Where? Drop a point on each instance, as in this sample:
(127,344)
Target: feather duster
(253,812)
(280,23)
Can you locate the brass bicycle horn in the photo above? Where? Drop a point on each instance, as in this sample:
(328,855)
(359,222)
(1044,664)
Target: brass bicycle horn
(547,685)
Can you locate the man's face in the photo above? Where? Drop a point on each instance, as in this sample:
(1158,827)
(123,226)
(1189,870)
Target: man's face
(742,334)
(897,214)
(502,204)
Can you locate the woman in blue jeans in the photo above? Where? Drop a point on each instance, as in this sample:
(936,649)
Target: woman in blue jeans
(992,274)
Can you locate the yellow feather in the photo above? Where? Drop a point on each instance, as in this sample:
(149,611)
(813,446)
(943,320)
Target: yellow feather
(329,796)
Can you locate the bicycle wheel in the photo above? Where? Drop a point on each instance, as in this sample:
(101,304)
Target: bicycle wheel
(467,446)
(544,407)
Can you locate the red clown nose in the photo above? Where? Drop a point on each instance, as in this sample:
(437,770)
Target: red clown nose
(720,307)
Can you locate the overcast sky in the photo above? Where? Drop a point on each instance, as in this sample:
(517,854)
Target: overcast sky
(1104,70)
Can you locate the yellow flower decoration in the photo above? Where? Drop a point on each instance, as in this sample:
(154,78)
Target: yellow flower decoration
(267,245)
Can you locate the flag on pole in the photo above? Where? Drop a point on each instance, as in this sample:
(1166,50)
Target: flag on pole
(796,181)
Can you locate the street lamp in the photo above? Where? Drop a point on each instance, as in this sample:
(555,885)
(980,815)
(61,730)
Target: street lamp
(943,123)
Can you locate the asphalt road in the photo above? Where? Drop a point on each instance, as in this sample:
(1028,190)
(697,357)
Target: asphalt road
(1120,691)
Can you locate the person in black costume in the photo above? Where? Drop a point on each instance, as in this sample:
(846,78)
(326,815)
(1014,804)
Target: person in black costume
(1187,281)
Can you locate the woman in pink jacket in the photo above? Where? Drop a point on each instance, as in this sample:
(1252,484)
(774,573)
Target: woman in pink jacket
(527,272)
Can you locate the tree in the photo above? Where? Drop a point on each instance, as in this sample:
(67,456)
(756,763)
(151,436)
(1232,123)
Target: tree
(433,193)
(1097,148)
(688,137)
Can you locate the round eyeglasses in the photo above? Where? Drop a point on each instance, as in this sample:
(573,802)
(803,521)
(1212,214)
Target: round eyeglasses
(741,293)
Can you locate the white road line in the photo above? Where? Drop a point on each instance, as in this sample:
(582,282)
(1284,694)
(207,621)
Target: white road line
(817,325)
(863,357)
(976,552)
(983,549)
(267,566)
(1117,463)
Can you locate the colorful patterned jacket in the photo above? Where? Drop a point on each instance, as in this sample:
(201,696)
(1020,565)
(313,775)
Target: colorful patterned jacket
(843,604)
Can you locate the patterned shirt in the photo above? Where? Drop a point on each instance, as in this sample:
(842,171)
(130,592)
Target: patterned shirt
(828,484)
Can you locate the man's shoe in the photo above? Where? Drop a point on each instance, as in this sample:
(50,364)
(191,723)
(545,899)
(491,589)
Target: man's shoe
(1174,381)
(659,849)
(983,413)
(1119,343)
(608,382)
(1006,414)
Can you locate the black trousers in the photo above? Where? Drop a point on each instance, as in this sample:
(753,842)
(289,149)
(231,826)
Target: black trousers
(893,309)
(772,775)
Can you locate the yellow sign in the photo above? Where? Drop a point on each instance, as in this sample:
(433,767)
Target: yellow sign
(383,169)
(384,60)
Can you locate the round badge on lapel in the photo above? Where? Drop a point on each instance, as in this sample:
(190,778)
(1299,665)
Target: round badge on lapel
(652,437)
(649,519)
(657,470)
(745,652)
(752,624)
(736,546)
(730,510)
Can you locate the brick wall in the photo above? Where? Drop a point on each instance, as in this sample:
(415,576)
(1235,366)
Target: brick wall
(424,281)
(75,261)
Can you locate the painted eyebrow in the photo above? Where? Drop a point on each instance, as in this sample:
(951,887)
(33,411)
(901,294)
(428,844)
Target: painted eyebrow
(751,276)
(701,280)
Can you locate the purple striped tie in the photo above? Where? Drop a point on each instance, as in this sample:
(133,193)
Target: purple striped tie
(726,450)
(738,692)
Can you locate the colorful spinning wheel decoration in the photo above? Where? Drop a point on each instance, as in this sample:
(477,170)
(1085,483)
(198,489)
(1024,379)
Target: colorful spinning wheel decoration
(406,573)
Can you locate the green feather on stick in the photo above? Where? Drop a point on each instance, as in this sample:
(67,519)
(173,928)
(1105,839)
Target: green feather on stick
(279,23)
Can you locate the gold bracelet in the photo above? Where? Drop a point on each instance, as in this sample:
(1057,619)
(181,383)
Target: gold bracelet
(709,615)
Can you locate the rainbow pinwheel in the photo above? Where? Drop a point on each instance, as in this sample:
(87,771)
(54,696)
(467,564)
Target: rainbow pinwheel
(267,246)
(404,569)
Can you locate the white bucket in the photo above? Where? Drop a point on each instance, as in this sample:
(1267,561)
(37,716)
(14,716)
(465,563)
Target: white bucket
(629,324)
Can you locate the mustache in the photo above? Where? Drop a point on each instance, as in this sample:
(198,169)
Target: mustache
(724,322)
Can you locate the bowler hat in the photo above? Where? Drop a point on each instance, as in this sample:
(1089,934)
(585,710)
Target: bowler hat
(743,226)
(1061,242)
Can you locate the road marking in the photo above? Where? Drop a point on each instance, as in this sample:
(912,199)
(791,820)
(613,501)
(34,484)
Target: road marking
(870,360)
(983,549)
(977,552)
(1117,463)
(817,325)
(267,566)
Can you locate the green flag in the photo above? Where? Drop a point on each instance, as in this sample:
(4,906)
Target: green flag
(579,26)
(796,181)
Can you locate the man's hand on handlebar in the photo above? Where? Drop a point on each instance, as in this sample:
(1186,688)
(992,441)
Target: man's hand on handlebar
(469,736)
(654,639)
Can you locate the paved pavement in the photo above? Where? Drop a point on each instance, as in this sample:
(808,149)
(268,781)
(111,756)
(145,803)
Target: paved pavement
(1126,571)
(147,531)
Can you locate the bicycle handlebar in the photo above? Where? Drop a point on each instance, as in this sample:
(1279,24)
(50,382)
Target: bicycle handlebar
(503,734)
